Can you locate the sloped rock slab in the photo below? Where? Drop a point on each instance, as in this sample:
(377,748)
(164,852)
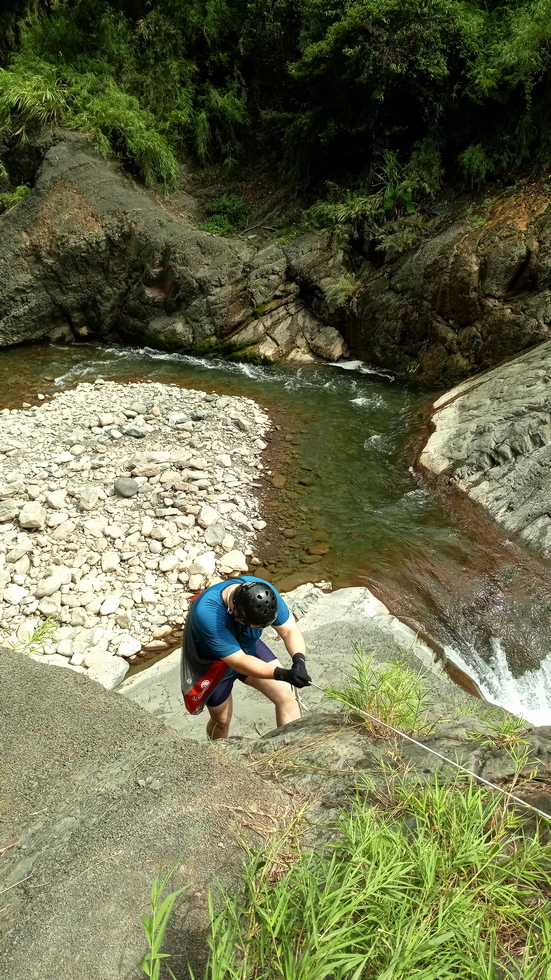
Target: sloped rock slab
(97,798)
(492,439)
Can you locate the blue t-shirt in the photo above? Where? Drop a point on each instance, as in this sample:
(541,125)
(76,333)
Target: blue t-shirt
(216,633)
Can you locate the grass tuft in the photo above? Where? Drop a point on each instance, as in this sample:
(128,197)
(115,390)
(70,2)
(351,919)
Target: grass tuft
(35,642)
(156,923)
(392,694)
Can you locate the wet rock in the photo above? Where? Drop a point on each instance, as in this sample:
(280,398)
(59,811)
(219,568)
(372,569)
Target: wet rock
(319,549)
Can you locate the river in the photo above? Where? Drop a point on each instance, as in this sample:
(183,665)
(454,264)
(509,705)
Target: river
(349,508)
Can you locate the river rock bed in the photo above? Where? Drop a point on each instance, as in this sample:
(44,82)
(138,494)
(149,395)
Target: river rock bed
(117,502)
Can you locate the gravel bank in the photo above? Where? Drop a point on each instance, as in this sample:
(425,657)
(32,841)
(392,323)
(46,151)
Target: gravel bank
(117,501)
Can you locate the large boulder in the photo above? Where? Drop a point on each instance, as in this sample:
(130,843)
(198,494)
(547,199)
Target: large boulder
(88,251)
(492,439)
(473,293)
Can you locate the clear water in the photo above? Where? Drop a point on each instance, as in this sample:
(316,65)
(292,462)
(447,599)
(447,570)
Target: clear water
(344,447)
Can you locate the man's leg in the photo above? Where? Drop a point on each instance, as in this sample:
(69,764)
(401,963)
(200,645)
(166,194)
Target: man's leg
(280,694)
(220,717)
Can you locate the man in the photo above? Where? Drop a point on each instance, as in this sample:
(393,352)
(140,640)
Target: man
(222,643)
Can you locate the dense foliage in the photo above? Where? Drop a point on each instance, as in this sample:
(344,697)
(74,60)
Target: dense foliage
(372,94)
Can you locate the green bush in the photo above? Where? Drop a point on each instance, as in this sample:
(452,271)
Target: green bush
(392,694)
(476,164)
(9,198)
(34,92)
(227,215)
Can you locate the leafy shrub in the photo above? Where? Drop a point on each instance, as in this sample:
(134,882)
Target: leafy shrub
(34,92)
(227,215)
(340,291)
(31,94)
(476,164)
(399,236)
(8,199)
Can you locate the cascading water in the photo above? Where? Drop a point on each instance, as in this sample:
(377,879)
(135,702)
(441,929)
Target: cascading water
(527,695)
(351,510)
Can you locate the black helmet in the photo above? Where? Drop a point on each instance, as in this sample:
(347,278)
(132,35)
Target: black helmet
(255,603)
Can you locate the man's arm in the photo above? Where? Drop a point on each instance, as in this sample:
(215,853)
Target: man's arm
(253,667)
(292,637)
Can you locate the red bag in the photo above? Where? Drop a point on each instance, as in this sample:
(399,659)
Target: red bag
(194,699)
(198,677)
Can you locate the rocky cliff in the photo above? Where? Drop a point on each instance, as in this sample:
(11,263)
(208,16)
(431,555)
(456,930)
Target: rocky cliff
(88,253)
(474,292)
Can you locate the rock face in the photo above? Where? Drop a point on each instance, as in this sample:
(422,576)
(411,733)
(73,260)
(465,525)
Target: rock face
(89,253)
(98,798)
(475,292)
(492,438)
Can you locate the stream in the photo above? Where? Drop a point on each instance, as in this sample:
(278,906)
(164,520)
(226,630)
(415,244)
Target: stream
(344,504)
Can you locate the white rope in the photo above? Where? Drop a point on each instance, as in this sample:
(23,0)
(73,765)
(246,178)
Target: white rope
(450,762)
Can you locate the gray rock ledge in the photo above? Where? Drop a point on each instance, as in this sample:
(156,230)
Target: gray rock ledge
(492,438)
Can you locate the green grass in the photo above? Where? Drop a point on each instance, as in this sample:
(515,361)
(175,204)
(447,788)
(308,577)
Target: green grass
(35,642)
(435,882)
(391,693)
(34,93)
(505,729)
(8,199)
(155,923)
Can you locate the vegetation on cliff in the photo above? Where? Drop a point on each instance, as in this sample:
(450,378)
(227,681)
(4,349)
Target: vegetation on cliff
(430,881)
(421,875)
(387,95)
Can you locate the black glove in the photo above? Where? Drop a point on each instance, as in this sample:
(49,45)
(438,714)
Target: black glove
(297,675)
(299,670)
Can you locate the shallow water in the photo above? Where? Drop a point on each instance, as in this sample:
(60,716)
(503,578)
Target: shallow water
(344,452)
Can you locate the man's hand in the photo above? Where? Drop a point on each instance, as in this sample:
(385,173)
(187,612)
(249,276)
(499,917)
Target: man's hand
(298,676)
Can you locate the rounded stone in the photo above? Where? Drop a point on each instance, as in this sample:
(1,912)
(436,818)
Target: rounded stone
(126,486)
